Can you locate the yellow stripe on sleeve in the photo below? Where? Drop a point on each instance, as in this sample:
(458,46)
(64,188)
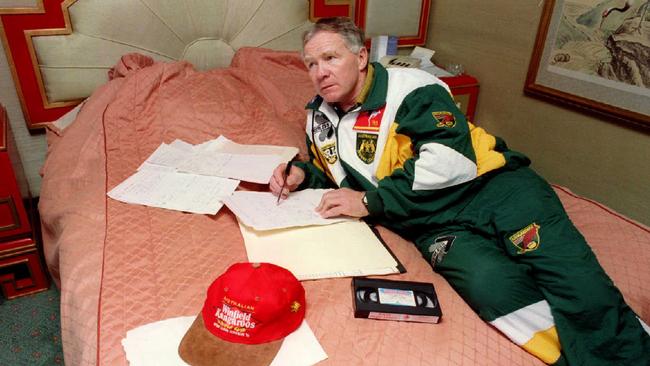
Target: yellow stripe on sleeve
(483,144)
(398,149)
(318,157)
(545,345)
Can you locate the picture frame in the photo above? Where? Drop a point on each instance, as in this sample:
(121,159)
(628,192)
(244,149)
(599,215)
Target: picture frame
(580,59)
(409,22)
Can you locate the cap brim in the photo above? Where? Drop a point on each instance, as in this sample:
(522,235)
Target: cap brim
(200,347)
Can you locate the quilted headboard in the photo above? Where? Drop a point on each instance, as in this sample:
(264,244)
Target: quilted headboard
(59,51)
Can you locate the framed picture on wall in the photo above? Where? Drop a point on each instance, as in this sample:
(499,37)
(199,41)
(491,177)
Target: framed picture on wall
(594,55)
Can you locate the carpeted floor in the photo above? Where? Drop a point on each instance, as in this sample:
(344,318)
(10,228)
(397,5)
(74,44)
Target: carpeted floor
(30,330)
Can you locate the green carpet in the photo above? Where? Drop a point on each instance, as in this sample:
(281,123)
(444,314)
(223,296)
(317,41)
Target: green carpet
(30,330)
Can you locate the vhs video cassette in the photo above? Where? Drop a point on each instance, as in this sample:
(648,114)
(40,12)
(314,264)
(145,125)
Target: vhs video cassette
(395,300)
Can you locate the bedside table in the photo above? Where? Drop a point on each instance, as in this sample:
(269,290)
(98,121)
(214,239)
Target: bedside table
(21,270)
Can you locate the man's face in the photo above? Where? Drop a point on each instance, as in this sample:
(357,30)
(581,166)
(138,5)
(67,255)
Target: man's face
(336,72)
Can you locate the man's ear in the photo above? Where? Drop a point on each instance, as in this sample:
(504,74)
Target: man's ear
(363,58)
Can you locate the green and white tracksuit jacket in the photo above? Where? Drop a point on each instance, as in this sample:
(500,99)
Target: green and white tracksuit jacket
(484,220)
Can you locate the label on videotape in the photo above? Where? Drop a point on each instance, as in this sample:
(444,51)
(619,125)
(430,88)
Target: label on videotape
(395,300)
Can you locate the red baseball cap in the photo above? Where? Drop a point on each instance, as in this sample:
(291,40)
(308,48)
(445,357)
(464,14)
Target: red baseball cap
(248,311)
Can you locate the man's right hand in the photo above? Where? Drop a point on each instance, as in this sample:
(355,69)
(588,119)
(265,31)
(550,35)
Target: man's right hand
(296,176)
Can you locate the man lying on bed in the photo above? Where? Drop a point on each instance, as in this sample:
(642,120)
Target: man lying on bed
(403,155)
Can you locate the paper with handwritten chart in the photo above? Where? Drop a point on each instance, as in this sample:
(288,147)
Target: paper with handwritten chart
(260,210)
(250,163)
(221,157)
(169,155)
(248,167)
(159,187)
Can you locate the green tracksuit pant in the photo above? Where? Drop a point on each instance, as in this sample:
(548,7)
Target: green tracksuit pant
(516,258)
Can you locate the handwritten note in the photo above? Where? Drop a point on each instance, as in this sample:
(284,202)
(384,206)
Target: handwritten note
(260,210)
(195,178)
(248,167)
(170,155)
(222,158)
(174,190)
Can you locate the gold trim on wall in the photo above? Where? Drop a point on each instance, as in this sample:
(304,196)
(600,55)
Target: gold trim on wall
(14,285)
(3,126)
(32,54)
(27,249)
(12,67)
(350,3)
(14,73)
(14,213)
(28,10)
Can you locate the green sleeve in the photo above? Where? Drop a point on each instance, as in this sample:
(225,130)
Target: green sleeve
(427,115)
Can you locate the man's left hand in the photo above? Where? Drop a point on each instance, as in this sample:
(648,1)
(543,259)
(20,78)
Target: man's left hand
(342,201)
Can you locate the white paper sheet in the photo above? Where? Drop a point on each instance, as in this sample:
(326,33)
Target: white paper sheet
(424,55)
(261,210)
(228,146)
(212,145)
(300,348)
(222,157)
(246,167)
(156,344)
(170,155)
(339,250)
(174,191)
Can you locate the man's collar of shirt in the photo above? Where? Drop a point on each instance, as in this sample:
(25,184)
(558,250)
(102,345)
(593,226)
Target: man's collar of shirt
(373,93)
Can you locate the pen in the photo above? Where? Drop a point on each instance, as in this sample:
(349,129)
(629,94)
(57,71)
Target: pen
(287,171)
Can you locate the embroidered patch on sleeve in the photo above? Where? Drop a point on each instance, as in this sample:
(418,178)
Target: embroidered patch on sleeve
(329,152)
(323,128)
(369,120)
(366,147)
(445,119)
(526,239)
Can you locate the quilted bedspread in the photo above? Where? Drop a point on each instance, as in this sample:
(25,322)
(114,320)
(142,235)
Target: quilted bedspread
(120,266)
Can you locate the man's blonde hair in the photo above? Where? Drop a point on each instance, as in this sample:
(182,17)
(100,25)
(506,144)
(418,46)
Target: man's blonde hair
(343,26)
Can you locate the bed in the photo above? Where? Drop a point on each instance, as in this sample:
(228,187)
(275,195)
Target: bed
(120,266)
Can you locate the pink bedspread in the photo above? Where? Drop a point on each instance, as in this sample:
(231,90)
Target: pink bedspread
(121,266)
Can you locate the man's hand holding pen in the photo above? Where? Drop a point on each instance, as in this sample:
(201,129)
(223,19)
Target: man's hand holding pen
(342,201)
(282,182)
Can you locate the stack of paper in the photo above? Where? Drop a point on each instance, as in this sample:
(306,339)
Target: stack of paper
(222,158)
(292,235)
(157,344)
(196,178)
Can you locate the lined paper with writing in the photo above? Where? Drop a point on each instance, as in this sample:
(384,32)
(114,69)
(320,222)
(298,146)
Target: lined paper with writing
(260,210)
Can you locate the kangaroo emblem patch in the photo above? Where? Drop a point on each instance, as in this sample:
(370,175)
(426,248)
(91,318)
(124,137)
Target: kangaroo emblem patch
(366,147)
